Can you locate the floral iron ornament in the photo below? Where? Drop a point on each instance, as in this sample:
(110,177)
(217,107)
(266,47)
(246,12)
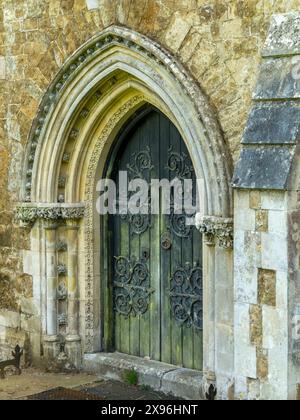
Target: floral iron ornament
(186,296)
(131,287)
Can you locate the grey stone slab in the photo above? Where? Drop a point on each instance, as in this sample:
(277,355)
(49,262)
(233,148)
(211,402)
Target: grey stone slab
(184,382)
(273,123)
(279,78)
(169,379)
(263,168)
(113,366)
(284,35)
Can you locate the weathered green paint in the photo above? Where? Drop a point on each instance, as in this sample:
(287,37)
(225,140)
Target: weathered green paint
(155,333)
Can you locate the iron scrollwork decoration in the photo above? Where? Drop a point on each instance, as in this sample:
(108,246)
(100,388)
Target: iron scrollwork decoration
(186,296)
(180,163)
(179,225)
(141,162)
(138,223)
(131,287)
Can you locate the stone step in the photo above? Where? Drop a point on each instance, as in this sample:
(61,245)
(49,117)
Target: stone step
(169,379)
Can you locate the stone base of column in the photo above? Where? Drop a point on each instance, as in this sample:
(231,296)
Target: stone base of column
(74,351)
(51,347)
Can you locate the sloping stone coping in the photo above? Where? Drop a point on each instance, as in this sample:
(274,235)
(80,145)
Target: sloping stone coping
(169,379)
(272,133)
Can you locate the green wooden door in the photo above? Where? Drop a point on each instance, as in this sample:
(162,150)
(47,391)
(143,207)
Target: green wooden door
(156,278)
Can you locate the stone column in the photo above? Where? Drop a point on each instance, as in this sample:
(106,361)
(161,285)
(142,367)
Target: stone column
(209,307)
(51,340)
(73,341)
(218,304)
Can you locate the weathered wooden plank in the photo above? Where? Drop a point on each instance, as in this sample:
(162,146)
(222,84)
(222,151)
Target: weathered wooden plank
(155,308)
(176,262)
(146,141)
(166,341)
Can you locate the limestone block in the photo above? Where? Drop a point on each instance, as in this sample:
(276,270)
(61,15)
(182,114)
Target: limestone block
(262,364)
(274,251)
(255,200)
(281,290)
(189,46)
(273,200)
(9,319)
(245,354)
(244,219)
(275,334)
(261,220)
(267,287)
(231,29)
(242,200)
(8,298)
(177,31)
(246,261)
(278,222)
(256,325)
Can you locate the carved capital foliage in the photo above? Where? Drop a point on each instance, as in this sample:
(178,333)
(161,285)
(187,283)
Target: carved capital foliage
(72,213)
(27,215)
(216,229)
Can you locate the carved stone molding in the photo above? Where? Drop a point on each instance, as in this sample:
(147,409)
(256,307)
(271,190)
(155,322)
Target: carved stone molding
(62,270)
(89,220)
(28,215)
(216,229)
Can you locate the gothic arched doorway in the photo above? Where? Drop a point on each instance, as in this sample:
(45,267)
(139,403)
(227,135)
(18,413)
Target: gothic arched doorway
(154,262)
(97,90)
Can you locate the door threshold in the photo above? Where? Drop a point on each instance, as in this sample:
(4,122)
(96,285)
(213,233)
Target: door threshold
(168,379)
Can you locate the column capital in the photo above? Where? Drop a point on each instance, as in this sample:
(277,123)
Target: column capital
(216,229)
(28,213)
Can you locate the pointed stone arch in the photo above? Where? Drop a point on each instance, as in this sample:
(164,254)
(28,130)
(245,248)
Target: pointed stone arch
(98,89)
(120,56)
